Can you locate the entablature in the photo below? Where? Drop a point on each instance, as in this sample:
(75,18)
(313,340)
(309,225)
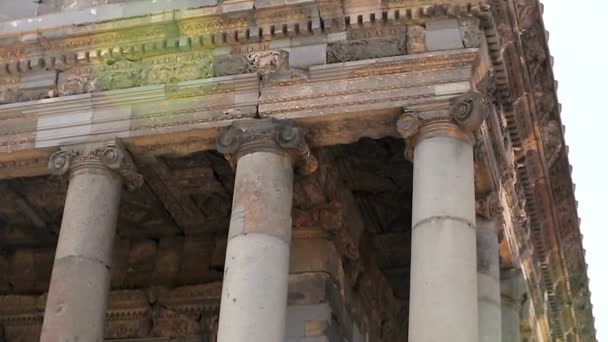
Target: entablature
(336,103)
(96,51)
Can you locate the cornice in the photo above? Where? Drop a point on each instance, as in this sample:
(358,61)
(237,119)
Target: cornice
(96,35)
(543,232)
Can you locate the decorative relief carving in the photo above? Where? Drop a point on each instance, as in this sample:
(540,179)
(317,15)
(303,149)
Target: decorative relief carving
(416,41)
(468,111)
(488,206)
(152,32)
(169,323)
(198,27)
(260,62)
(368,43)
(112,157)
(134,73)
(552,141)
(471,32)
(14,89)
(267,135)
(265,62)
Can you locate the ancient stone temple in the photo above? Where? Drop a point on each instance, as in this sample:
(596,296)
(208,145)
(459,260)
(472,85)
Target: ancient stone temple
(284,171)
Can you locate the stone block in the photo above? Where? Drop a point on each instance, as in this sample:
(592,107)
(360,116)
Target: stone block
(38,80)
(443,35)
(277,3)
(313,255)
(74,5)
(10,10)
(237,5)
(307,320)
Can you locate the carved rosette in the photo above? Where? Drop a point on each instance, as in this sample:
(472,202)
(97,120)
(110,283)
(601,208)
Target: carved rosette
(464,115)
(111,157)
(268,135)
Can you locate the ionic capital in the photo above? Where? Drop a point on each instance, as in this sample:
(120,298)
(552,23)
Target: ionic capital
(111,157)
(267,135)
(488,206)
(464,115)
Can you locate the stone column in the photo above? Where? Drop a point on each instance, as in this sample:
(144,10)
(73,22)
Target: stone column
(488,280)
(80,281)
(443,278)
(512,288)
(254,293)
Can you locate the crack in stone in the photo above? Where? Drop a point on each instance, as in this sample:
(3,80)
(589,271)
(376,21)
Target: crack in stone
(446,217)
(86,258)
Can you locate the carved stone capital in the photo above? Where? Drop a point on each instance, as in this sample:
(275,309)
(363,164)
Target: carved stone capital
(468,111)
(110,157)
(267,135)
(512,287)
(488,206)
(460,120)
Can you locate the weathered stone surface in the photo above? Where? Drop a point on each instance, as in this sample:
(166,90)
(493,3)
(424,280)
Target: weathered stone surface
(368,43)
(79,286)
(443,35)
(167,106)
(254,294)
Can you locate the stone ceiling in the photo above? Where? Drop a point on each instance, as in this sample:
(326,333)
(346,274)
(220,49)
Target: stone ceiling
(172,231)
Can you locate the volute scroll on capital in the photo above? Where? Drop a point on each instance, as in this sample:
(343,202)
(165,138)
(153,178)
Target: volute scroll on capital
(464,115)
(268,135)
(488,206)
(112,157)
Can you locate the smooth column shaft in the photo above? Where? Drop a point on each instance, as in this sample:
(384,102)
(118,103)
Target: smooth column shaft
(488,281)
(443,293)
(512,291)
(79,289)
(254,293)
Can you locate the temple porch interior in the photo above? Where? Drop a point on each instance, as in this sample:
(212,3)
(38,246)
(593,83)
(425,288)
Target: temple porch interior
(351,235)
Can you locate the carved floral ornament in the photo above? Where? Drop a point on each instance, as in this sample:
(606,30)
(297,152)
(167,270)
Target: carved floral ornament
(488,206)
(112,157)
(464,116)
(268,135)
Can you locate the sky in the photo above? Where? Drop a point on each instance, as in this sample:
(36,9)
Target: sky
(577,39)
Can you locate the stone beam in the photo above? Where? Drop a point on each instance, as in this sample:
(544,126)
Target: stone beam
(139,314)
(186,214)
(337,103)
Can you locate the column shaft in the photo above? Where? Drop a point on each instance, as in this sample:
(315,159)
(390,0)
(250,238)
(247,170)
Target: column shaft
(488,281)
(443,294)
(78,293)
(512,291)
(510,323)
(254,294)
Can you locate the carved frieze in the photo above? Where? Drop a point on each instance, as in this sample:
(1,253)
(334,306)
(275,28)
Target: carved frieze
(169,323)
(119,74)
(128,314)
(101,40)
(488,206)
(370,42)
(416,42)
(210,25)
(262,62)
(27,87)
